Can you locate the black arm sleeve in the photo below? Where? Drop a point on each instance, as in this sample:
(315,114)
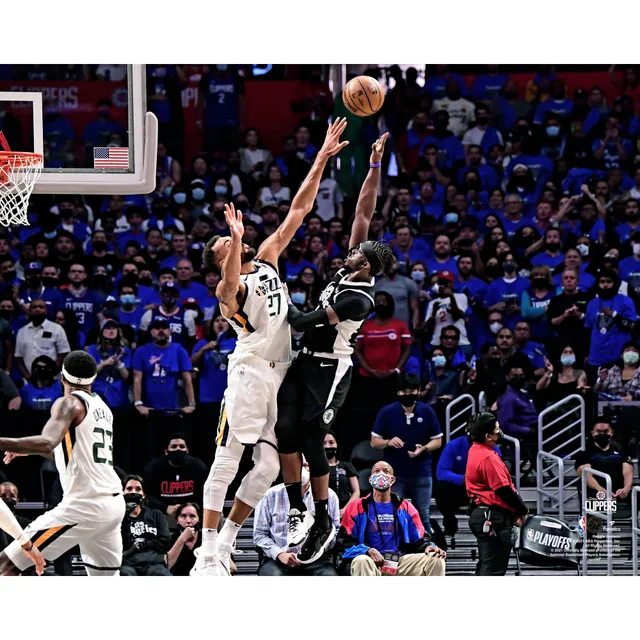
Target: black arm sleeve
(513,500)
(349,306)
(623,323)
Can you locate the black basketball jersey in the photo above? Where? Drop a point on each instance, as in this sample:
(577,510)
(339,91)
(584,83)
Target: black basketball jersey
(339,339)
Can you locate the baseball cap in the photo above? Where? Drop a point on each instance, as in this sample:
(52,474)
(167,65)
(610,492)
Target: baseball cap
(33,266)
(187,301)
(520,166)
(159,321)
(108,321)
(169,286)
(446,275)
(268,205)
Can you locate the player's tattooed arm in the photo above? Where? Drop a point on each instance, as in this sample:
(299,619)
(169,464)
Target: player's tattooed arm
(368,197)
(65,412)
(302,203)
(230,289)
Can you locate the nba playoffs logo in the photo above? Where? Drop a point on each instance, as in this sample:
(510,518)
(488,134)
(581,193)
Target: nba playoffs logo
(601,503)
(327,416)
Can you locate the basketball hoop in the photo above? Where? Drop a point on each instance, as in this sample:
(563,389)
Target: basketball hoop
(18,173)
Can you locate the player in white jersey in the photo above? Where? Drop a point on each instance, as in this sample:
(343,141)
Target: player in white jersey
(252,299)
(79,436)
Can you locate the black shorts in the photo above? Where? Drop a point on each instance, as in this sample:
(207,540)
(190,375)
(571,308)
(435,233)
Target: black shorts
(313,390)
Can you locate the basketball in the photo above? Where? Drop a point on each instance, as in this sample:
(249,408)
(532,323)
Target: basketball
(363,96)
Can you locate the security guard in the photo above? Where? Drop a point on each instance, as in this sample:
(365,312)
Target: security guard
(495,505)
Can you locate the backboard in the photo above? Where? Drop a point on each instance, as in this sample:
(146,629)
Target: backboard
(90,122)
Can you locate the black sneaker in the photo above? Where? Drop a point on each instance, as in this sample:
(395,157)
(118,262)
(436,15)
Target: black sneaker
(316,543)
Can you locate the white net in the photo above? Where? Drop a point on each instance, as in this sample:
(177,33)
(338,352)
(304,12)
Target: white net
(18,174)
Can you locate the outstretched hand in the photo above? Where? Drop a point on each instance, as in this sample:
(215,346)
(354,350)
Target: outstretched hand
(332,144)
(234,220)
(377,148)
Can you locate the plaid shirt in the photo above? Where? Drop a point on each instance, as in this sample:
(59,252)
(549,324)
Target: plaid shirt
(270,521)
(615,385)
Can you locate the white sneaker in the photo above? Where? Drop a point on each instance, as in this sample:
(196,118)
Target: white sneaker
(224,559)
(298,525)
(206,565)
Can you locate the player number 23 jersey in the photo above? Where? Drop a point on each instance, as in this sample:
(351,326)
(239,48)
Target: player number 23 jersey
(84,458)
(261,321)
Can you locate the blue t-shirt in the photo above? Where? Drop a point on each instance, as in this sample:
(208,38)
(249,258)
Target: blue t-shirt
(419,252)
(382,532)
(451,264)
(213,369)
(535,352)
(109,384)
(126,236)
(51,296)
(486,87)
(436,85)
(611,155)
(98,133)
(561,108)
(508,292)
(194,290)
(292,270)
(624,231)
(420,428)
(85,307)
(511,226)
(40,399)
(450,150)
(488,176)
(629,271)
(220,99)
(541,167)
(607,338)
(132,318)
(161,369)
(546,260)
(418,209)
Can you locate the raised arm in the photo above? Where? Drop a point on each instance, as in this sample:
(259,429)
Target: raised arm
(368,195)
(302,204)
(230,289)
(66,411)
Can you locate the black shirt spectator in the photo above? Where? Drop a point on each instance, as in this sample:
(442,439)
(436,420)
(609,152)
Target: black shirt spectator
(343,477)
(174,478)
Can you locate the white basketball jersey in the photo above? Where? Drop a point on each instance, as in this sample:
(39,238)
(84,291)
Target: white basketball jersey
(84,458)
(261,321)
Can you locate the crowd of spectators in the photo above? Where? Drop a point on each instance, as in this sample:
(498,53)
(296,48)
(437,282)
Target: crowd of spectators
(515,224)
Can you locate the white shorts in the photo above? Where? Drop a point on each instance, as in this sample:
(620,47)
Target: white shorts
(92,523)
(249,408)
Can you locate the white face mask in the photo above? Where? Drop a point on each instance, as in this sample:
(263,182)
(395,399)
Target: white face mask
(494,327)
(636,249)
(305,476)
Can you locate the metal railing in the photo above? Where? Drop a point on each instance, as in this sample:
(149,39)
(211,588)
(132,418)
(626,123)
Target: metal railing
(598,514)
(516,455)
(470,405)
(554,448)
(616,403)
(544,488)
(482,402)
(635,528)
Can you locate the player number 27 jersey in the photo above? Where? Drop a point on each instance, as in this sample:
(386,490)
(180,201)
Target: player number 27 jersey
(84,458)
(261,321)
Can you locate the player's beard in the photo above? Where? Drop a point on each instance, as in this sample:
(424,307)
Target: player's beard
(248,255)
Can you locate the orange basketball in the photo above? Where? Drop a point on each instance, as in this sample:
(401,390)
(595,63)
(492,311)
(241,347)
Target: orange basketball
(363,96)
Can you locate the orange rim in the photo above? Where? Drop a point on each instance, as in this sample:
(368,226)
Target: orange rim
(23,157)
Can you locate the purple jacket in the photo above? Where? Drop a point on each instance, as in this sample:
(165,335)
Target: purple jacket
(516,412)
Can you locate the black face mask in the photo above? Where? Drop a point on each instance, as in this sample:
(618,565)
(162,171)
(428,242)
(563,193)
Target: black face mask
(9,276)
(602,439)
(6,314)
(473,185)
(553,246)
(32,283)
(10,502)
(160,212)
(67,213)
(146,282)
(133,500)
(219,216)
(540,283)
(494,271)
(50,282)
(42,373)
(606,294)
(100,279)
(509,267)
(177,457)
(330,452)
(518,382)
(408,400)
(99,245)
(383,311)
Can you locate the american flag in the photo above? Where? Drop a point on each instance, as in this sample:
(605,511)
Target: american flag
(111,157)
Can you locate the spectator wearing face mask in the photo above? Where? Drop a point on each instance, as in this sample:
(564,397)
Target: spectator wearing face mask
(404,292)
(382,534)
(41,391)
(382,349)
(270,532)
(604,454)
(505,294)
(145,534)
(174,478)
(535,302)
(611,317)
(408,431)
(35,288)
(447,308)
(343,477)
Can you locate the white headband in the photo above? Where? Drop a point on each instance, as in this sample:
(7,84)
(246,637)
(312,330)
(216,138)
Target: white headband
(83,382)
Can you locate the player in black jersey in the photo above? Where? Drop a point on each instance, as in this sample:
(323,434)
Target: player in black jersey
(317,383)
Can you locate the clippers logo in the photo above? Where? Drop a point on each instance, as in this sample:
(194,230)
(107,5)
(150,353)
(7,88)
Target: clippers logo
(601,503)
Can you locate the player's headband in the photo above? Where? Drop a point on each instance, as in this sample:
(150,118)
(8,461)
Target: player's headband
(370,254)
(82,382)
